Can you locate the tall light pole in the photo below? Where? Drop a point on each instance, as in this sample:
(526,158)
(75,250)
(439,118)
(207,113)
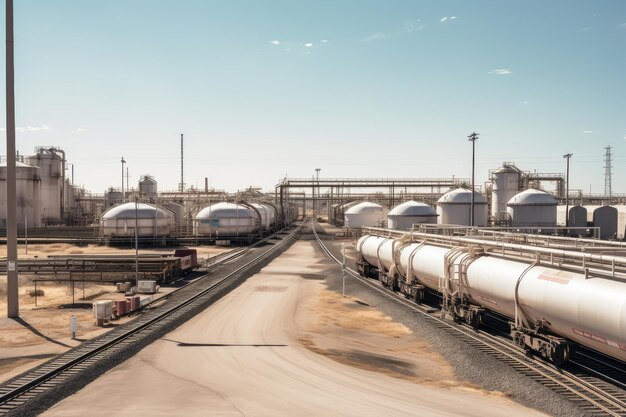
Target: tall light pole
(317,179)
(13,304)
(473,137)
(567,156)
(123,162)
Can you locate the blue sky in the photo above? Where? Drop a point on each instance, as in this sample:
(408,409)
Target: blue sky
(356,88)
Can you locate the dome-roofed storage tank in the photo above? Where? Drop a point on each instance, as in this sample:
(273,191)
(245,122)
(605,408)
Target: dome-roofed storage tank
(225,220)
(405,215)
(505,181)
(148,186)
(28,195)
(532,208)
(604,217)
(365,214)
(577,219)
(454,207)
(152,221)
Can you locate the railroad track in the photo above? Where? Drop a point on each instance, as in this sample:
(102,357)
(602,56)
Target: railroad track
(595,398)
(50,378)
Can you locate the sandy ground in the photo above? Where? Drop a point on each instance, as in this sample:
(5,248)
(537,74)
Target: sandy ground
(283,345)
(43,330)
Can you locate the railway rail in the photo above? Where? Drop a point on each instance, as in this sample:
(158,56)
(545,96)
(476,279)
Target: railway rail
(595,398)
(51,377)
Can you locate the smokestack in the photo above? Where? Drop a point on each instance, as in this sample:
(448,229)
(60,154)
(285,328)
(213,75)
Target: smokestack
(182,177)
(206,185)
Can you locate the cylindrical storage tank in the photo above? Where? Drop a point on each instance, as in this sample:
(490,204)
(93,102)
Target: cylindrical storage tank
(50,164)
(577,219)
(505,182)
(365,214)
(604,217)
(148,186)
(532,208)
(454,207)
(226,219)
(621,220)
(405,215)
(27,193)
(152,220)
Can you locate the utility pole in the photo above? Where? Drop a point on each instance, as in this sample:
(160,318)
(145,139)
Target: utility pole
(317,179)
(127,181)
(182,155)
(567,156)
(473,137)
(13,304)
(123,162)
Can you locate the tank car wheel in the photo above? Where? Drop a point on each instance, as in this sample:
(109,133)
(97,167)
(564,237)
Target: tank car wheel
(561,355)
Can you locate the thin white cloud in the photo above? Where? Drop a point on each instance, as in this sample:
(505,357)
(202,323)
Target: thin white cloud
(452,17)
(324,41)
(587,131)
(443,19)
(308,45)
(275,42)
(500,71)
(585,29)
(80,130)
(29,128)
(377,35)
(525,102)
(409,27)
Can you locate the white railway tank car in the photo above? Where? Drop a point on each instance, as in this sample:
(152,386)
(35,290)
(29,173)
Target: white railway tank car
(548,305)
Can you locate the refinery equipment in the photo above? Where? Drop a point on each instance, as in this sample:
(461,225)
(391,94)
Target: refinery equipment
(454,207)
(365,214)
(177,209)
(226,220)
(532,208)
(268,214)
(147,186)
(405,215)
(604,217)
(51,163)
(505,184)
(551,296)
(152,221)
(28,195)
(577,219)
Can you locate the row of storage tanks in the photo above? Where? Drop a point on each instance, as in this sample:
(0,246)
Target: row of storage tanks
(222,219)
(528,209)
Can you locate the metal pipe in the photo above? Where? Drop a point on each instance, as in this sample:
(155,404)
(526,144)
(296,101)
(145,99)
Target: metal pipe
(13,309)
(567,156)
(136,243)
(473,137)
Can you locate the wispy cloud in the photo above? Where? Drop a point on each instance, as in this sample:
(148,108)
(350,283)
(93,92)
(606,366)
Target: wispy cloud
(525,102)
(409,27)
(324,41)
(80,130)
(443,19)
(447,19)
(275,42)
(585,29)
(452,17)
(587,131)
(500,71)
(308,45)
(29,128)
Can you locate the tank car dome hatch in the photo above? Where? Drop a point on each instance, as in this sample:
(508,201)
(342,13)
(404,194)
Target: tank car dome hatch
(226,219)
(404,215)
(532,197)
(152,220)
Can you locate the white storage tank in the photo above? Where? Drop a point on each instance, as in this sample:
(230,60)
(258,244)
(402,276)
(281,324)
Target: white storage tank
(226,219)
(454,207)
(152,220)
(405,215)
(621,220)
(177,209)
(365,214)
(50,162)
(577,218)
(148,186)
(28,195)
(604,217)
(505,181)
(532,208)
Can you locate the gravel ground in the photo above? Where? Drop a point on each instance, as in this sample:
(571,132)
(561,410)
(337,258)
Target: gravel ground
(469,363)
